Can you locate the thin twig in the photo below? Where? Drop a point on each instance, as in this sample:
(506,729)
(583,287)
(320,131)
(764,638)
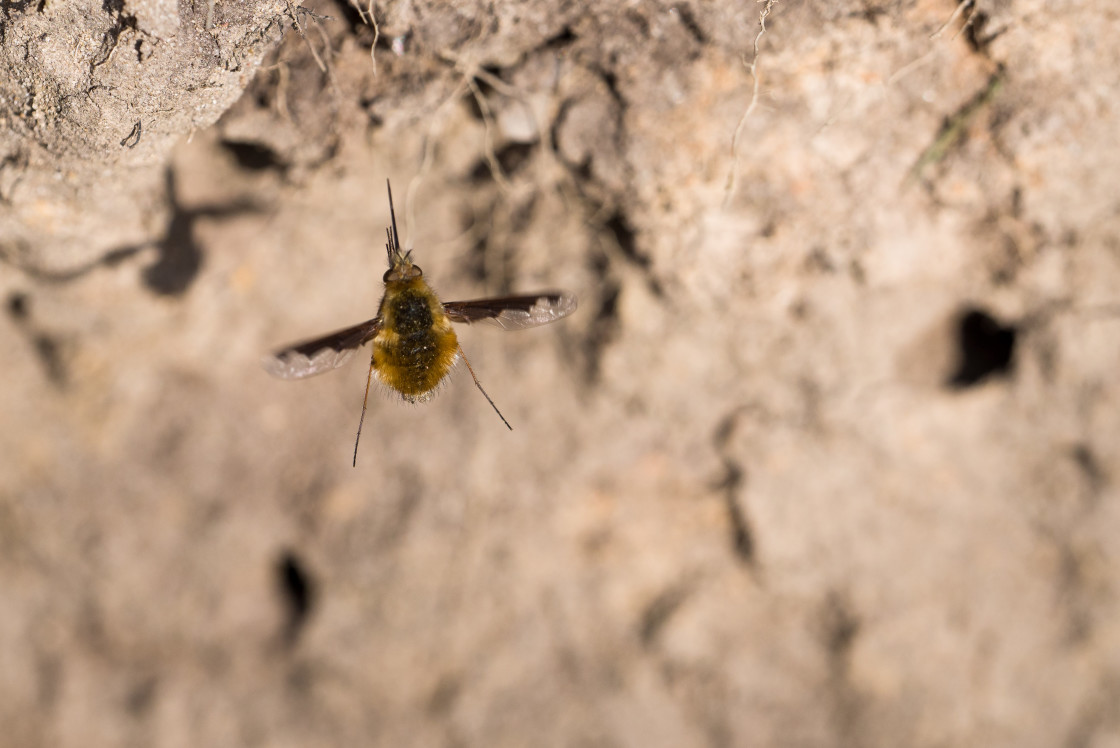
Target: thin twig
(733,177)
(956,13)
(488,121)
(376,36)
(294,13)
(428,159)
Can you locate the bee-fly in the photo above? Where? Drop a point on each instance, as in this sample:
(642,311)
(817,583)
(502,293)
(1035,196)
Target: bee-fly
(414,345)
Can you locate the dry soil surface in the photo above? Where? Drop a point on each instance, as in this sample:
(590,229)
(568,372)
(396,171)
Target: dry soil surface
(828,455)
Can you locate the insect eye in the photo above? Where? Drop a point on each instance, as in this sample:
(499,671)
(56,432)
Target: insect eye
(393,274)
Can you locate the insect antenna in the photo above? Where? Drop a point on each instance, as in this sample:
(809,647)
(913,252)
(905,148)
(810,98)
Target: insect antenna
(394,244)
(363,418)
(479,385)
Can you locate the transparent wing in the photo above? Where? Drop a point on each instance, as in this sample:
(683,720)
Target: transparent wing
(514,312)
(321,354)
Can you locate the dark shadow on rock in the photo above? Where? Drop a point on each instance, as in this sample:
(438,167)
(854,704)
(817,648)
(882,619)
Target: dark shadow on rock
(180,256)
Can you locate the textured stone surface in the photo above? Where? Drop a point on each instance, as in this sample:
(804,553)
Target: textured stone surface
(827,456)
(92,97)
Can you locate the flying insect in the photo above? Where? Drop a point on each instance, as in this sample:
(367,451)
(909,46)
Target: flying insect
(414,344)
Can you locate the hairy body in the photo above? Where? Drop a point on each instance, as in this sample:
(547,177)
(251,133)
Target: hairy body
(416,346)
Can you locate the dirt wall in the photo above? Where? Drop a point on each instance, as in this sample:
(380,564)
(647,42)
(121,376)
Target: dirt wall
(827,455)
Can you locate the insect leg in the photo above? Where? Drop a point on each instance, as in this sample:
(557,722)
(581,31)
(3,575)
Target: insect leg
(479,385)
(365,400)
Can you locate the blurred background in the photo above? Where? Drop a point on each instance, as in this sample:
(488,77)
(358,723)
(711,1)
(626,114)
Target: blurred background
(826,456)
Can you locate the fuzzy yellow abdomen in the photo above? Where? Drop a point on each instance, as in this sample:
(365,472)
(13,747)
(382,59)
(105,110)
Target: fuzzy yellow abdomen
(416,346)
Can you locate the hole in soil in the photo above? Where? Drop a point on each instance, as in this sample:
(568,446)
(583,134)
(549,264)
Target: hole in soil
(985,349)
(298,592)
(18,305)
(511,157)
(253,156)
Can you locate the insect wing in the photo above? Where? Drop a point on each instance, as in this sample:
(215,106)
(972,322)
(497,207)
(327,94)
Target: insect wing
(514,312)
(321,354)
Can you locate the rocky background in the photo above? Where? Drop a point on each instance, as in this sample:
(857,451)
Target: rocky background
(828,456)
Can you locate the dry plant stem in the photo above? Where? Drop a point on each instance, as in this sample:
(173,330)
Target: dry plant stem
(376,36)
(512,92)
(499,85)
(519,96)
(915,64)
(471,73)
(283,80)
(956,14)
(548,151)
(285,76)
(910,67)
(294,13)
(361,11)
(733,177)
(488,122)
(370,19)
(967,23)
(426,164)
(324,36)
